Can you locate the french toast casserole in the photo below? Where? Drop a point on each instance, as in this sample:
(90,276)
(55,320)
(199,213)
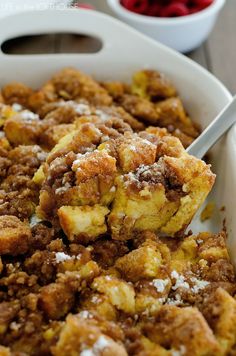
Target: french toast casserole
(96,195)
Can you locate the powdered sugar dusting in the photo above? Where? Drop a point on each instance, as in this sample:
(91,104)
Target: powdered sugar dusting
(102,115)
(179,281)
(62,257)
(176,300)
(17,107)
(80,108)
(160,284)
(198,284)
(99,346)
(85,314)
(29,115)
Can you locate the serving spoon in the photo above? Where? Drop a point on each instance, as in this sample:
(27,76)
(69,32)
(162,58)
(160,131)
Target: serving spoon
(213,132)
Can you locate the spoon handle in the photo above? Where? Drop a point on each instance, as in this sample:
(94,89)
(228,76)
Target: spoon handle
(214,131)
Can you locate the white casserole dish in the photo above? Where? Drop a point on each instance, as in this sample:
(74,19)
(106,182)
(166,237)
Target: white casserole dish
(124,51)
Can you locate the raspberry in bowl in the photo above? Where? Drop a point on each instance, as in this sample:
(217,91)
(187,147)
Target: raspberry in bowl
(180,24)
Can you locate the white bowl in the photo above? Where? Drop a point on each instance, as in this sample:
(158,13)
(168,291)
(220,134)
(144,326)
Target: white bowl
(181,33)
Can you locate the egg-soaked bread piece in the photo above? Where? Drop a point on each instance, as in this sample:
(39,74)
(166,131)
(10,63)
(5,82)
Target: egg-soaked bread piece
(83,334)
(175,327)
(14,236)
(152,85)
(161,196)
(152,183)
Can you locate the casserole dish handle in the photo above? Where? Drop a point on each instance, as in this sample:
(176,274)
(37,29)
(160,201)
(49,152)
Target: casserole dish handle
(112,34)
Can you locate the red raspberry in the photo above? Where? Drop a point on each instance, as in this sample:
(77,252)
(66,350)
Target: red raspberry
(174,9)
(153,10)
(185,2)
(200,5)
(203,3)
(138,6)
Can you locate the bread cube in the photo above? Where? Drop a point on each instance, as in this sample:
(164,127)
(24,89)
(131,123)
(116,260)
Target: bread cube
(23,131)
(213,247)
(6,112)
(221,315)
(143,262)
(120,293)
(14,236)
(151,84)
(53,134)
(79,141)
(92,164)
(99,303)
(39,176)
(16,93)
(70,83)
(152,349)
(140,207)
(56,300)
(84,336)
(186,253)
(186,328)
(134,151)
(84,223)
(5,351)
(171,114)
(140,108)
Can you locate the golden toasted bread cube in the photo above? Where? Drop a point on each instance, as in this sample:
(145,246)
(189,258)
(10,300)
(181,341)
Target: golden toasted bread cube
(84,223)
(187,252)
(70,83)
(64,141)
(147,304)
(171,112)
(144,262)
(6,112)
(87,136)
(152,349)
(4,143)
(140,108)
(139,207)
(120,293)
(5,351)
(222,318)
(92,164)
(163,196)
(95,173)
(81,336)
(213,247)
(198,181)
(166,143)
(134,151)
(23,129)
(54,133)
(115,88)
(16,93)
(39,176)
(100,303)
(152,84)
(14,236)
(182,328)
(56,299)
